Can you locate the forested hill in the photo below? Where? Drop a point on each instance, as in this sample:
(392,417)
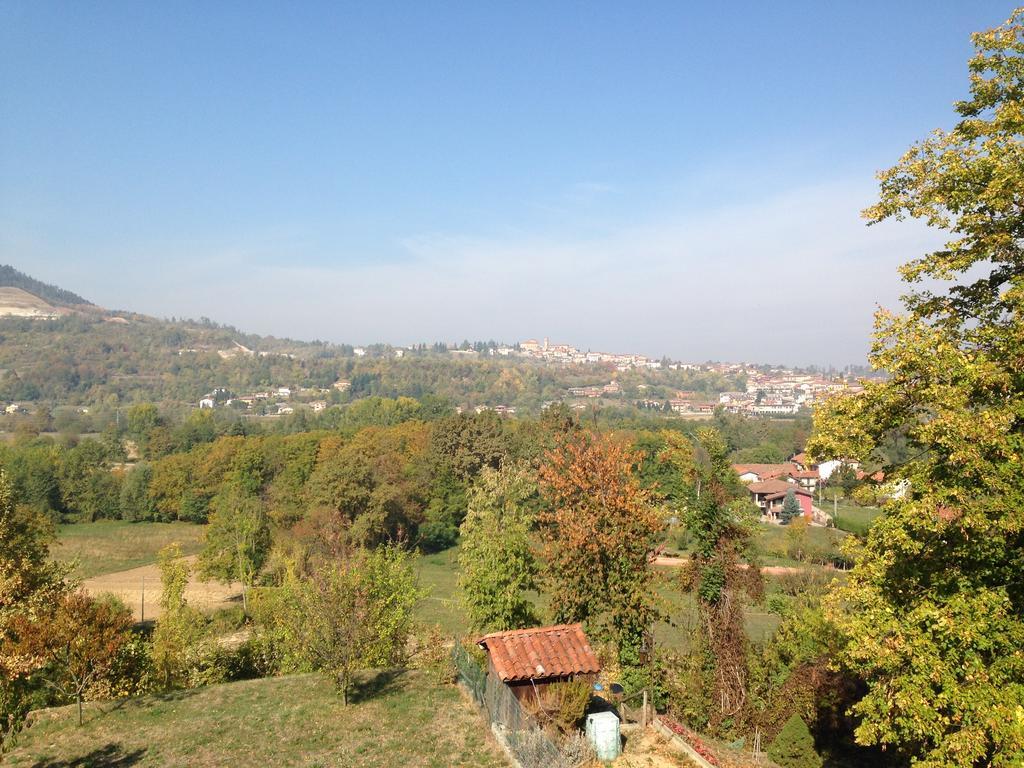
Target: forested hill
(92,357)
(12,278)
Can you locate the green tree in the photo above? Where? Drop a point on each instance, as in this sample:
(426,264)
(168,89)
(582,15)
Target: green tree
(790,507)
(135,501)
(497,565)
(354,614)
(29,582)
(142,418)
(794,746)
(933,612)
(27,574)
(465,444)
(796,537)
(722,571)
(237,540)
(180,627)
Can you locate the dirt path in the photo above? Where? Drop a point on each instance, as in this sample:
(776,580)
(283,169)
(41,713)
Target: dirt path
(771,570)
(129,586)
(649,749)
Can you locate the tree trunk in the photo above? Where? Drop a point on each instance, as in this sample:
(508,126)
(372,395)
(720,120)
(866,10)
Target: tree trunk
(245,602)
(345,682)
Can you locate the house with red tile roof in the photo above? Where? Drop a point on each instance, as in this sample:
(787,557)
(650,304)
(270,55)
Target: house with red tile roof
(774,502)
(753,473)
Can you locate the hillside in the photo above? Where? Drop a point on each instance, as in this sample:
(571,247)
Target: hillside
(12,278)
(14,302)
(280,721)
(83,355)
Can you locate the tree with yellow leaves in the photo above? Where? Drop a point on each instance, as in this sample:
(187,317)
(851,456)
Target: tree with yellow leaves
(933,613)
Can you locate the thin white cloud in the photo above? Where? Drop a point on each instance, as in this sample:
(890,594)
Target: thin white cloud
(791,278)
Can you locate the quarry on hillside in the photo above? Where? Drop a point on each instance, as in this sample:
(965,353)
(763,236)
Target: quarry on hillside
(14,302)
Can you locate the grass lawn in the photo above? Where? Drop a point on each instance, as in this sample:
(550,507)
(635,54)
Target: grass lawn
(681,610)
(109,546)
(293,721)
(772,543)
(439,574)
(854,518)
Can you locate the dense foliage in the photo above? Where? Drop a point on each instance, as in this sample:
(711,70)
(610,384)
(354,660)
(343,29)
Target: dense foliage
(599,528)
(794,746)
(497,563)
(933,615)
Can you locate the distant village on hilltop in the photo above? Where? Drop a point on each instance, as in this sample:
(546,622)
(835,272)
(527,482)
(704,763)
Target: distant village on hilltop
(769,392)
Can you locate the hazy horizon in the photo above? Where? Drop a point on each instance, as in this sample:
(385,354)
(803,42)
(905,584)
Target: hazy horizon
(666,180)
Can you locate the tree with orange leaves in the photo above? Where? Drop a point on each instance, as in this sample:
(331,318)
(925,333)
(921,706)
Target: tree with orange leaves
(76,642)
(599,528)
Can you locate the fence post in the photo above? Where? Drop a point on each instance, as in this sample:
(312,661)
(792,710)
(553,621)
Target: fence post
(643,717)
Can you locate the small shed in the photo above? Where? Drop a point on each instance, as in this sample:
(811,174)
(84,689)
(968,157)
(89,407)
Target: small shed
(529,660)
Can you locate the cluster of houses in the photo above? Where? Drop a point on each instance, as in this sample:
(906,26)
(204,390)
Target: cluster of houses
(782,392)
(612,388)
(501,410)
(235,350)
(275,402)
(567,354)
(769,484)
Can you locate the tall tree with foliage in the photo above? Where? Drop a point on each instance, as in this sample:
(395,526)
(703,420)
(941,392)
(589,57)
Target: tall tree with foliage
(722,571)
(599,529)
(933,612)
(179,629)
(497,564)
(237,539)
(29,581)
(354,614)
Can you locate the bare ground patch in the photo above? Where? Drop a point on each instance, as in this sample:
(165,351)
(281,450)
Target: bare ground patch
(132,584)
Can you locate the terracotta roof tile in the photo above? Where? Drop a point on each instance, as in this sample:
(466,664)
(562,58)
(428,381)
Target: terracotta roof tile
(772,486)
(766,471)
(783,494)
(525,654)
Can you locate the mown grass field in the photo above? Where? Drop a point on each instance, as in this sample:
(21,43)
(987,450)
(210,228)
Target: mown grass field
(854,518)
(773,543)
(282,721)
(439,573)
(109,546)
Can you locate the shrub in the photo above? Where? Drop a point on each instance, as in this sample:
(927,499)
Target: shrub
(437,535)
(433,656)
(561,705)
(794,746)
(577,750)
(573,699)
(131,672)
(682,538)
(776,603)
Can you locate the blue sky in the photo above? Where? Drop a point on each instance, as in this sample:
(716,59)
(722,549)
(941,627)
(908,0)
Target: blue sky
(670,178)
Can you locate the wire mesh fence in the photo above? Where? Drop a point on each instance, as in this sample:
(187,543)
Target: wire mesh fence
(526,740)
